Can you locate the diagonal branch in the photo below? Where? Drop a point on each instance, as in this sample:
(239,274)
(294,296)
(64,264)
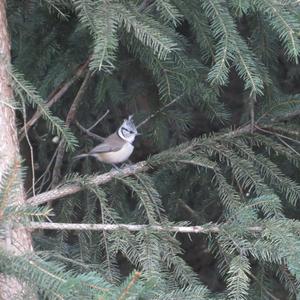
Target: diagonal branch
(69,189)
(88,131)
(56,176)
(55,96)
(206,229)
(132,282)
(94,136)
(159,111)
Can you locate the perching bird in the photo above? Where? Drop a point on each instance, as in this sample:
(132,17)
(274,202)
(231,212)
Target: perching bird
(117,147)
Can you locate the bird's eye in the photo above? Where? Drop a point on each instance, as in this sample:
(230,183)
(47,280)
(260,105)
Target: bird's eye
(131,132)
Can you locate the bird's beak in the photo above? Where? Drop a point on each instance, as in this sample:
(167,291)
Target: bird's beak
(138,133)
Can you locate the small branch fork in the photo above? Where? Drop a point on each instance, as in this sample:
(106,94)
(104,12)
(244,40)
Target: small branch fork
(132,227)
(89,130)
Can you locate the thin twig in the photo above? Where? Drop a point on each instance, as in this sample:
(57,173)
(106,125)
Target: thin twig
(276,134)
(99,138)
(287,116)
(263,288)
(56,175)
(283,130)
(55,96)
(144,5)
(89,132)
(94,136)
(211,228)
(8,105)
(288,146)
(252,112)
(31,149)
(43,176)
(98,121)
(189,209)
(159,111)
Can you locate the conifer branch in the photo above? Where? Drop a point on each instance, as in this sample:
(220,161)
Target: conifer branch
(70,119)
(212,228)
(132,282)
(142,166)
(55,96)
(69,189)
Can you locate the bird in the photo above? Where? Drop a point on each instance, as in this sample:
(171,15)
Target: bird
(117,147)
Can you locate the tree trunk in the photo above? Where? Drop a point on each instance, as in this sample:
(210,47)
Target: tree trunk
(16,241)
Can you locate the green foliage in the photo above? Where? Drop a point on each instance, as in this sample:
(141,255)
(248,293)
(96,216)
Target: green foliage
(238,281)
(284,22)
(28,95)
(199,67)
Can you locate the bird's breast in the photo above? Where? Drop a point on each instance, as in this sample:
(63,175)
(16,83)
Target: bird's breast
(116,156)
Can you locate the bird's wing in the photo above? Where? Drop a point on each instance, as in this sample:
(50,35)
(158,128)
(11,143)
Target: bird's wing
(111,144)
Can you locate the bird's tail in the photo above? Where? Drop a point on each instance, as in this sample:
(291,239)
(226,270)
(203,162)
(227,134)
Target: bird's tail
(80,156)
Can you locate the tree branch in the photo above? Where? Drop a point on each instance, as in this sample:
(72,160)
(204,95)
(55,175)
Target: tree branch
(132,282)
(159,111)
(56,175)
(212,228)
(88,131)
(55,96)
(69,189)
(94,136)
(287,116)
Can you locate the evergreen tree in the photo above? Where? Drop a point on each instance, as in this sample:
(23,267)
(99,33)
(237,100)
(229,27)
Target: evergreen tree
(209,209)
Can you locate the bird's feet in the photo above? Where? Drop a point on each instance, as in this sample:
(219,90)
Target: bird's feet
(123,166)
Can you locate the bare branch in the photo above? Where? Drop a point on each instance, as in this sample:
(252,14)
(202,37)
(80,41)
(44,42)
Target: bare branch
(69,189)
(159,111)
(88,131)
(98,121)
(94,136)
(56,176)
(211,228)
(55,96)
(30,148)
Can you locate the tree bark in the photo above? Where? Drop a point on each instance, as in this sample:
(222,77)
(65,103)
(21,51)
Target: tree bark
(14,241)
